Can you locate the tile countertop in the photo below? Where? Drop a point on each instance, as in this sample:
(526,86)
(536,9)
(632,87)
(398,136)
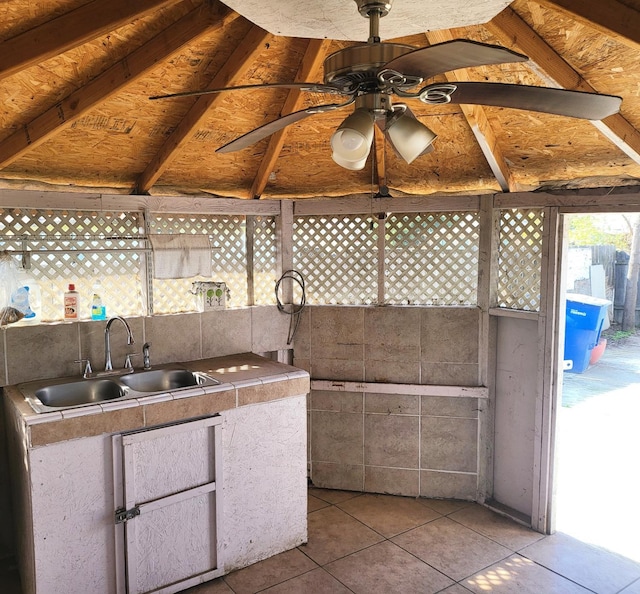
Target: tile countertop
(245,379)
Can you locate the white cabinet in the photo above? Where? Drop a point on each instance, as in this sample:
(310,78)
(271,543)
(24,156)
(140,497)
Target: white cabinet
(74,488)
(167,506)
(66,524)
(265,480)
(203,496)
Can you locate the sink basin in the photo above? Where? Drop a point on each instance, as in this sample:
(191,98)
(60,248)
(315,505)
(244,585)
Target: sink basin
(53,395)
(164,380)
(78,393)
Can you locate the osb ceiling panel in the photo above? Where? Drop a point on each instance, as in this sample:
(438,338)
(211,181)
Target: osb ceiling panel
(340,19)
(79,116)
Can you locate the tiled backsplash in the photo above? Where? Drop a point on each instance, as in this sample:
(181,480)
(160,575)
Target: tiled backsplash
(50,350)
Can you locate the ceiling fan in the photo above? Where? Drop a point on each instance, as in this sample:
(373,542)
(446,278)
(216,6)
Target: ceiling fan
(369,74)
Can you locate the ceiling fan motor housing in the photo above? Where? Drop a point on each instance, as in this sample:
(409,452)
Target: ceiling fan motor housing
(358,65)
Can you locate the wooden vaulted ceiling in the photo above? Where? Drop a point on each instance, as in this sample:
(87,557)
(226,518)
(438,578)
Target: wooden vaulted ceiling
(76,77)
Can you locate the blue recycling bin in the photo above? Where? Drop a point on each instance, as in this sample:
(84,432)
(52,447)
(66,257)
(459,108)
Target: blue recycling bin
(584,319)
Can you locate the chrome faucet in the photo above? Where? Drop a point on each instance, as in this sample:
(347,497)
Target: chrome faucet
(107,341)
(146,356)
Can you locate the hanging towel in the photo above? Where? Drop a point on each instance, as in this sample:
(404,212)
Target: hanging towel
(181,255)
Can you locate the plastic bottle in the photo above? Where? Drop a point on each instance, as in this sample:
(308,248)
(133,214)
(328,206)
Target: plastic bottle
(71,299)
(20,300)
(27,298)
(98,310)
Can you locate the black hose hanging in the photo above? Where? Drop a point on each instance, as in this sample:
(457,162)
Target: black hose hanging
(292,309)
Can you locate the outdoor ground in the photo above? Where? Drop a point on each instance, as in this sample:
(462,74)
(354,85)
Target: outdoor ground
(598,478)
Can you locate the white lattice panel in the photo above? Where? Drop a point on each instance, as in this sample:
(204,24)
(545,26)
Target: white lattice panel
(82,240)
(519,259)
(337,255)
(432,259)
(229,259)
(264,260)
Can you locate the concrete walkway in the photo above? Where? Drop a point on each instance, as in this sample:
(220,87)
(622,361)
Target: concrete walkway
(598,456)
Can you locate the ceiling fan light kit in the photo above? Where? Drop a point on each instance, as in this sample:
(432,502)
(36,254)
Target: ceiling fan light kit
(351,142)
(351,165)
(369,74)
(408,136)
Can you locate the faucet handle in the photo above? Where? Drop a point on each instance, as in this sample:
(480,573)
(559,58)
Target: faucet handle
(146,356)
(87,369)
(127,361)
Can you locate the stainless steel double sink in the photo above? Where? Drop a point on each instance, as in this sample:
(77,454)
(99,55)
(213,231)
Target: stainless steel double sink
(57,394)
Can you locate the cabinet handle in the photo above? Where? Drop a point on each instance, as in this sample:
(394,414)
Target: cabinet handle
(123,515)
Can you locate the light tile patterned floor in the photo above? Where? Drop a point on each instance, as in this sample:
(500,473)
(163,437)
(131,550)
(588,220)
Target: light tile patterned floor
(382,544)
(372,544)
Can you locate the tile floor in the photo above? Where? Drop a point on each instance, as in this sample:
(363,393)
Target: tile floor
(383,544)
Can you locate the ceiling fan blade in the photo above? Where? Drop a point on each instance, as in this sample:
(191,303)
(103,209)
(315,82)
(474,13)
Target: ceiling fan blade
(576,104)
(427,62)
(303,86)
(267,129)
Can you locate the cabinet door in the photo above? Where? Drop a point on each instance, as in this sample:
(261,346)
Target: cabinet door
(167,506)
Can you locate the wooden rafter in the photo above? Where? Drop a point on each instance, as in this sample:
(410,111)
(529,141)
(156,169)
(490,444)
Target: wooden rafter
(613,18)
(480,126)
(232,71)
(515,32)
(71,30)
(116,77)
(308,71)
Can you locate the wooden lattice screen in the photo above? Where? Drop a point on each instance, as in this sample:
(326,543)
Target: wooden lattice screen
(426,258)
(229,259)
(519,259)
(432,259)
(337,256)
(79,247)
(264,260)
(83,247)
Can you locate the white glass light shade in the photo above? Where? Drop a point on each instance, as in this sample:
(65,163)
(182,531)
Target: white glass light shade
(351,142)
(353,165)
(409,137)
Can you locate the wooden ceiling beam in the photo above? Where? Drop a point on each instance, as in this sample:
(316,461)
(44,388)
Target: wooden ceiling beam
(230,74)
(515,32)
(615,19)
(485,136)
(71,30)
(480,126)
(115,78)
(309,70)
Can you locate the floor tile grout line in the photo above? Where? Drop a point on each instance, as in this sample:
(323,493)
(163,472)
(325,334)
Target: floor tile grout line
(636,581)
(492,539)
(455,581)
(337,579)
(299,575)
(394,535)
(511,550)
(387,539)
(539,564)
(483,569)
